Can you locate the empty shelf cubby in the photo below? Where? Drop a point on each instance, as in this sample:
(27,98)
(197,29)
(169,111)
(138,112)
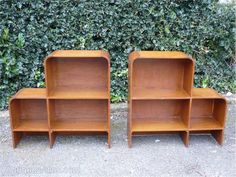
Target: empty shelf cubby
(160,115)
(77,74)
(78,115)
(156,76)
(208,112)
(28,110)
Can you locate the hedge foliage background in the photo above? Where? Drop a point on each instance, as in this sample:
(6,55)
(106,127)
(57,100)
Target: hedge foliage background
(31,29)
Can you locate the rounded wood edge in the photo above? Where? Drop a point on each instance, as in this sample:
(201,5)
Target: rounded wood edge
(10,101)
(144,54)
(15,95)
(83,54)
(11,118)
(220,96)
(133,56)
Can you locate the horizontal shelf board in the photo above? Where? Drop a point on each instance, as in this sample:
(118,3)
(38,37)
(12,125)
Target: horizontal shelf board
(204,93)
(76,125)
(79,54)
(32,125)
(61,94)
(205,123)
(31,93)
(151,94)
(152,125)
(158,55)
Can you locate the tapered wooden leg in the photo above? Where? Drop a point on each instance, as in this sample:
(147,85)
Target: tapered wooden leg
(16,137)
(109,140)
(185,138)
(52,138)
(218,135)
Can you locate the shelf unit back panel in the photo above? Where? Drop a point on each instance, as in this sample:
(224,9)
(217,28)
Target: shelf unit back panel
(160,115)
(208,113)
(29,112)
(79,110)
(160,109)
(162,75)
(77,74)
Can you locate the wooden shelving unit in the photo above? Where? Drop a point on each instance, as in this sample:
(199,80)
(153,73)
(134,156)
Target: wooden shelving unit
(76,99)
(161,98)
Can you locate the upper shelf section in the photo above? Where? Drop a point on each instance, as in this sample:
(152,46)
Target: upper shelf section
(158,55)
(30,93)
(79,54)
(206,93)
(78,74)
(160,75)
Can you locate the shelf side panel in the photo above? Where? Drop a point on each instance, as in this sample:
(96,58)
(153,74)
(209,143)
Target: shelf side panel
(220,109)
(188,76)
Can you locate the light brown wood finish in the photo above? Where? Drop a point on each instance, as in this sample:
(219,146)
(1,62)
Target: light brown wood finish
(208,113)
(28,112)
(160,115)
(160,86)
(150,78)
(79,115)
(78,90)
(161,98)
(76,100)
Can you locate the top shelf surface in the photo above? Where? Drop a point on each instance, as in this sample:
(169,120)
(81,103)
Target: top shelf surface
(31,93)
(151,94)
(40,93)
(79,54)
(158,55)
(204,93)
(80,94)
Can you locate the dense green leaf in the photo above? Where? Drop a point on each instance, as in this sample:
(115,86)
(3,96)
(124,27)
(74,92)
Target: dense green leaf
(30,30)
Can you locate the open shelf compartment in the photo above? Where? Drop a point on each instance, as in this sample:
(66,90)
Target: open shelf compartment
(77,75)
(160,115)
(154,75)
(78,115)
(29,111)
(208,114)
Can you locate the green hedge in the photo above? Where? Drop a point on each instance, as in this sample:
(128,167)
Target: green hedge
(32,29)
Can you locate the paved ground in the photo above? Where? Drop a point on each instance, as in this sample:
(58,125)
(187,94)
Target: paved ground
(160,155)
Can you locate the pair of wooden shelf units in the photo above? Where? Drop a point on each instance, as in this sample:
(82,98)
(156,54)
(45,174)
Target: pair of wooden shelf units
(77,98)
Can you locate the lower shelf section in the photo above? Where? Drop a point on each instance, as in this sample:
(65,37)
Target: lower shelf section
(74,125)
(205,123)
(152,125)
(218,135)
(34,125)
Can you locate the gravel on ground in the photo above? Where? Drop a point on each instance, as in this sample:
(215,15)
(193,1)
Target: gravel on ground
(158,155)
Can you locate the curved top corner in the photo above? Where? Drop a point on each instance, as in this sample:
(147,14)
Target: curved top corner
(159,55)
(78,54)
